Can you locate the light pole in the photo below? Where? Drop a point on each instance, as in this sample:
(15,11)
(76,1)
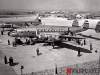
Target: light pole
(56,70)
(55,67)
(99,62)
(22,67)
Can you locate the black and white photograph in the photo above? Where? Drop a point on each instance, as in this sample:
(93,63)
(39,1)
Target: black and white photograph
(49,37)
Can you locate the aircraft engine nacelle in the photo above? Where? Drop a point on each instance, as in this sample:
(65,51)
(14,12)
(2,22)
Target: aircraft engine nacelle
(97,29)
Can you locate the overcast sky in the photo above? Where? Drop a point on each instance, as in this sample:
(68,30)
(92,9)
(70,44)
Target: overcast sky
(50,4)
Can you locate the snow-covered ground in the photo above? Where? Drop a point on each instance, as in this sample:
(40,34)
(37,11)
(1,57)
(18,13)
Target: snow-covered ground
(64,22)
(91,32)
(26,55)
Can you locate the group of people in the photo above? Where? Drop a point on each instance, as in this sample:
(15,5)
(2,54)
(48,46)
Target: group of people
(11,61)
(18,41)
(81,42)
(2,32)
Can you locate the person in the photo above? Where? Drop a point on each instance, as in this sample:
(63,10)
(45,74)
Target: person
(1,32)
(81,42)
(78,41)
(5,60)
(37,51)
(8,33)
(79,52)
(96,51)
(8,42)
(71,33)
(22,67)
(91,46)
(14,44)
(84,42)
(26,40)
(11,61)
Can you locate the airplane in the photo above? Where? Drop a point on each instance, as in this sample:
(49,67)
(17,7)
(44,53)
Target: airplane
(24,19)
(45,29)
(93,24)
(10,23)
(48,34)
(9,26)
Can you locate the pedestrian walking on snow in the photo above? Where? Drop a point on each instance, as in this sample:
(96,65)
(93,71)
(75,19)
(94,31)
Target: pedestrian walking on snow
(5,60)
(11,61)
(1,32)
(8,42)
(84,42)
(37,51)
(79,52)
(91,48)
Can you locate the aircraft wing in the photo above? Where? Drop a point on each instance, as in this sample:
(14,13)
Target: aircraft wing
(71,37)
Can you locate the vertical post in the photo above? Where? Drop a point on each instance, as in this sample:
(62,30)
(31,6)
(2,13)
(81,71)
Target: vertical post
(22,67)
(21,72)
(56,70)
(99,62)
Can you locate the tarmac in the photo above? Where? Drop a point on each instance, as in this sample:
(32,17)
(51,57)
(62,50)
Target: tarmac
(5,69)
(61,56)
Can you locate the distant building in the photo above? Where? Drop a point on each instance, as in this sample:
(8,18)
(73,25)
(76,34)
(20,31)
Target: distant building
(55,13)
(75,23)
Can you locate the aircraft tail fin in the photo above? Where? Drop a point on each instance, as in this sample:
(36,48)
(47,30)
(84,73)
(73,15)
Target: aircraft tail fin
(86,25)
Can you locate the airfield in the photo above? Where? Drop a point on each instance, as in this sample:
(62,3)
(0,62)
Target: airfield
(60,56)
